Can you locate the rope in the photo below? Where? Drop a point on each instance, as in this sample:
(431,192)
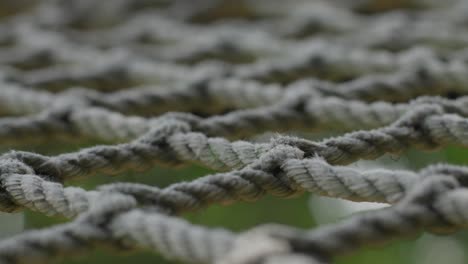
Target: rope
(425,207)
(175,83)
(298,109)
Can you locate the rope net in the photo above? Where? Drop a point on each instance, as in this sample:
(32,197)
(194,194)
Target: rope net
(181,82)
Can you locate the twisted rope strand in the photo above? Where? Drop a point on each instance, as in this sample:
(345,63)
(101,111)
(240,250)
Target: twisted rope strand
(177,239)
(171,142)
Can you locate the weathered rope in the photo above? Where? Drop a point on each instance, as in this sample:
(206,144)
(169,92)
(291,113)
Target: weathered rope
(283,171)
(172,142)
(86,70)
(317,59)
(300,108)
(110,221)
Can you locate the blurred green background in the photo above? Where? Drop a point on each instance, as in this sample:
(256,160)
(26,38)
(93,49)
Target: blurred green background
(305,211)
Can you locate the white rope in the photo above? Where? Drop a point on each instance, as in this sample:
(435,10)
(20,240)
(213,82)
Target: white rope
(78,72)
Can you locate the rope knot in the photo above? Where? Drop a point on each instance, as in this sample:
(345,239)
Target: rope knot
(273,162)
(146,196)
(77,97)
(419,204)
(275,158)
(460,173)
(104,208)
(108,203)
(300,95)
(36,164)
(259,244)
(191,120)
(308,148)
(13,166)
(416,121)
(162,129)
(158,137)
(8,167)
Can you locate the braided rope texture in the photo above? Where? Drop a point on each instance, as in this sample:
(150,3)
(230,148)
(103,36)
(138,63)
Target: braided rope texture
(169,83)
